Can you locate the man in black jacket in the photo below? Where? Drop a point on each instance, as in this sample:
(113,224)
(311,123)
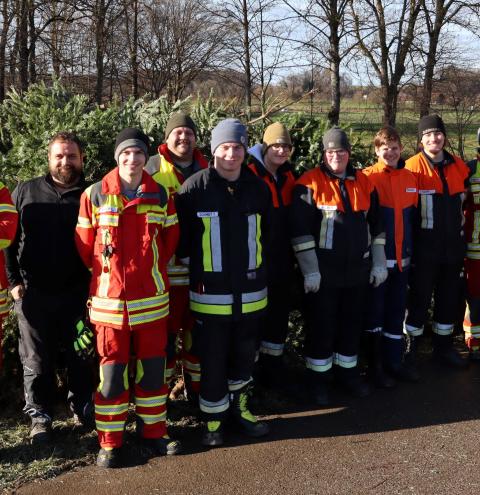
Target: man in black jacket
(224,214)
(49,284)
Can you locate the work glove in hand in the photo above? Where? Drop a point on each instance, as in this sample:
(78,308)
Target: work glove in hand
(379,272)
(311,282)
(84,343)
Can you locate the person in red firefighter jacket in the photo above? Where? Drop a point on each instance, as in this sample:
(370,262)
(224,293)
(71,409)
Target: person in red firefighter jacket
(471,322)
(224,213)
(178,159)
(334,214)
(8,229)
(127,231)
(438,243)
(398,196)
(269,161)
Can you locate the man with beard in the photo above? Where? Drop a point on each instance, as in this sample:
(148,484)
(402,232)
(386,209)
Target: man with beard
(176,161)
(49,284)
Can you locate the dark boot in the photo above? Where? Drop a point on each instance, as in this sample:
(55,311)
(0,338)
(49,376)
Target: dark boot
(351,381)
(319,387)
(376,373)
(272,373)
(446,354)
(244,418)
(111,458)
(212,434)
(403,373)
(410,357)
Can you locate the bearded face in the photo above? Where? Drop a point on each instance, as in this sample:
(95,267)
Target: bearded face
(181,142)
(65,163)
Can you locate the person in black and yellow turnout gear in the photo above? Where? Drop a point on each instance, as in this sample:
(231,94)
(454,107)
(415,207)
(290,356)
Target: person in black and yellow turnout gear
(334,214)
(224,214)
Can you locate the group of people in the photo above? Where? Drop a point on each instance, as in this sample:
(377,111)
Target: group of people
(173,259)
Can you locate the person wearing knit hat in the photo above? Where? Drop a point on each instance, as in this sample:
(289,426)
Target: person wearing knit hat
(338,239)
(269,160)
(224,213)
(133,220)
(438,243)
(177,159)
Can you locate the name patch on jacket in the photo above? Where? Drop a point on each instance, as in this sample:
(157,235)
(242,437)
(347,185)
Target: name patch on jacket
(207,214)
(108,209)
(411,189)
(327,207)
(426,191)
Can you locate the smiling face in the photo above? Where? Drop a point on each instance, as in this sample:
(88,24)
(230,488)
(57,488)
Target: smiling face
(336,160)
(228,159)
(389,153)
(130,164)
(433,143)
(181,143)
(65,163)
(276,155)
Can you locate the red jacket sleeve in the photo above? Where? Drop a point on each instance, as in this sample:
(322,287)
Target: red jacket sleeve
(8,218)
(170,232)
(85,230)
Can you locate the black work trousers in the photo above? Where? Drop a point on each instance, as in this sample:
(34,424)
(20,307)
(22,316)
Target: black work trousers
(47,327)
(227,356)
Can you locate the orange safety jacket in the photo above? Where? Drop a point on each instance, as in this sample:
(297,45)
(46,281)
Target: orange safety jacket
(8,229)
(438,230)
(163,171)
(126,244)
(339,233)
(398,196)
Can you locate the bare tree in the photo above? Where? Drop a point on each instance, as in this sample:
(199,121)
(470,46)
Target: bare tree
(7,14)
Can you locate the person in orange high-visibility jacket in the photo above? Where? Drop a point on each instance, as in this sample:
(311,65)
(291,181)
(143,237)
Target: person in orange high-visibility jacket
(471,322)
(8,229)
(438,243)
(176,161)
(338,239)
(398,196)
(127,231)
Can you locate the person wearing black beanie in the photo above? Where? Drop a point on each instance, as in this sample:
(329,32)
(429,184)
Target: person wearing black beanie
(438,243)
(126,232)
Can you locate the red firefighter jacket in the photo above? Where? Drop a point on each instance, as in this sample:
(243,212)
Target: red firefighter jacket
(126,244)
(438,229)
(163,171)
(472,212)
(398,196)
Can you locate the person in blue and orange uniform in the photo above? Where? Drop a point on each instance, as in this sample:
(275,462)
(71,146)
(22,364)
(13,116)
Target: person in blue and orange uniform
(334,214)
(127,231)
(270,161)
(471,322)
(438,243)
(224,212)
(8,229)
(398,196)
(178,159)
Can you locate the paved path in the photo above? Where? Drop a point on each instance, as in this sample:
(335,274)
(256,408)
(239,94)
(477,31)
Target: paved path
(420,439)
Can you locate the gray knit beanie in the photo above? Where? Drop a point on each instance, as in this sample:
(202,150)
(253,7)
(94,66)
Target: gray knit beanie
(131,137)
(229,131)
(336,138)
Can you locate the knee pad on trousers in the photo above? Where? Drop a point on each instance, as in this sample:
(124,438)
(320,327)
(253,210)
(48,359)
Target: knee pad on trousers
(113,380)
(150,373)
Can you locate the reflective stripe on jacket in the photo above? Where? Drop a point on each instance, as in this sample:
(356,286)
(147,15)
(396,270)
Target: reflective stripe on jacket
(126,244)
(472,212)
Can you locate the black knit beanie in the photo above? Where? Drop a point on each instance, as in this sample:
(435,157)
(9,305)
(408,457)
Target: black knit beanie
(431,123)
(131,137)
(336,138)
(179,119)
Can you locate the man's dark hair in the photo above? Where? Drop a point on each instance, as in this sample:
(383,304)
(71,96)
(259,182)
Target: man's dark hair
(65,136)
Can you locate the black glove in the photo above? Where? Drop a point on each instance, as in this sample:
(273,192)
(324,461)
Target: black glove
(84,343)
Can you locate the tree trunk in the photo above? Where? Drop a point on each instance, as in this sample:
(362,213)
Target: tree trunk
(246,47)
(23,44)
(32,45)
(3,47)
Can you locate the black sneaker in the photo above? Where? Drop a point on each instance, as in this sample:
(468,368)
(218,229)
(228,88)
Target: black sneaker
(163,446)
(109,458)
(41,433)
(213,434)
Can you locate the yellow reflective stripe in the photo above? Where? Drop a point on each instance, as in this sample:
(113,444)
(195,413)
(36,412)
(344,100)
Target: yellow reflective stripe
(259,244)
(110,425)
(108,220)
(84,223)
(156,275)
(206,245)
(166,175)
(111,409)
(191,366)
(155,218)
(150,419)
(5,207)
(211,309)
(148,317)
(148,302)
(110,304)
(254,306)
(102,317)
(140,373)
(158,400)
(171,220)
(4,243)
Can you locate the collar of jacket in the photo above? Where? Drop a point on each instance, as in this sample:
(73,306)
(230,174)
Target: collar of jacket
(111,185)
(199,161)
(81,184)
(245,174)
(262,170)
(350,172)
(385,168)
(447,159)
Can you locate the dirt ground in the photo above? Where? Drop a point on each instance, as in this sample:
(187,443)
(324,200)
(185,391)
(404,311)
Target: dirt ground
(418,439)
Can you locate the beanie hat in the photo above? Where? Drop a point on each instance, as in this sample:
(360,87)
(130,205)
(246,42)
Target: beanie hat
(431,123)
(179,119)
(276,133)
(336,138)
(131,137)
(229,131)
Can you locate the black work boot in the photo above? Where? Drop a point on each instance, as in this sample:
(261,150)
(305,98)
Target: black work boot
(410,356)
(270,371)
(244,418)
(212,434)
(376,373)
(351,381)
(41,432)
(319,387)
(446,354)
(403,373)
(163,446)
(109,458)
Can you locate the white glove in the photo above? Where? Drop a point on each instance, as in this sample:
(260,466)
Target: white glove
(311,282)
(378,275)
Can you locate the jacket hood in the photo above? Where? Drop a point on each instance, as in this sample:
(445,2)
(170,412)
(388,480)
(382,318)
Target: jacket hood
(256,152)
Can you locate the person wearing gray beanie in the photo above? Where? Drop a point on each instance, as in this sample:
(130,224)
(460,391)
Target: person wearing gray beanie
(229,131)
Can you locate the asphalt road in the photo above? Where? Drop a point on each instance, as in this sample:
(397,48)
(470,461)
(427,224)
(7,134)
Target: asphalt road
(418,439)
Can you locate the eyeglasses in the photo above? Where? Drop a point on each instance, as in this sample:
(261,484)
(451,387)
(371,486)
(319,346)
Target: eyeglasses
(281,147)
(340,153)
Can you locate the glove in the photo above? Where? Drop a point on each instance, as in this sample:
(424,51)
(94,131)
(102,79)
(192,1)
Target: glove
(184,261)
(379,272)
(311,282)
(84,343)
